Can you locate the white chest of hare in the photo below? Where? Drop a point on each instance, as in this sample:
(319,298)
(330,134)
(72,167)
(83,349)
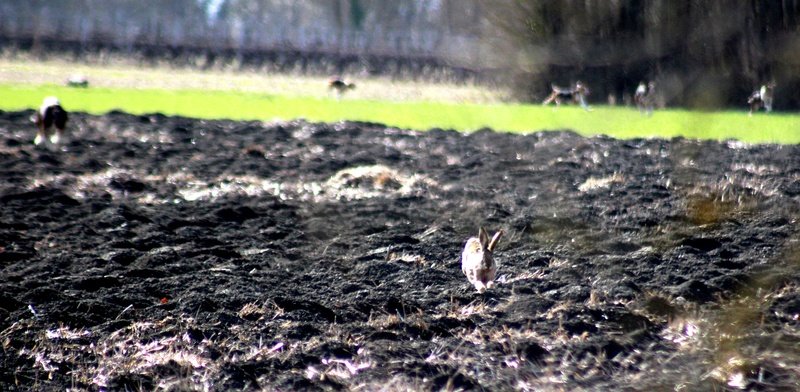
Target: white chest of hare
(477,260)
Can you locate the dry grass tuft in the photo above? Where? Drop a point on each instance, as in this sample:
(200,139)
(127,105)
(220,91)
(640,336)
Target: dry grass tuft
(732,196)
(408,258)
(740,347)
(364,182)
(254,311)
(460,312)
(594,183)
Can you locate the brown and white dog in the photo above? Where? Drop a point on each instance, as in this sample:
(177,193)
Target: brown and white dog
(645,98)
(762,98)
(576,94)
(341,86)
(51,119)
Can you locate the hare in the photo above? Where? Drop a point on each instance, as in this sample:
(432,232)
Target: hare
(477,260)
(50,115)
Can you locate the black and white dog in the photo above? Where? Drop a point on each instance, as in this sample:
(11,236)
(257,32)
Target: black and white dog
(341,86)
(762,98)
(50,115)
(576,94)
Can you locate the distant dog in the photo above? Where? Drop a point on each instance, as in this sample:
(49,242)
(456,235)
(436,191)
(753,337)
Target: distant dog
(645,98)
(51,119)
(340,86)
(78,81)
(762,98)
(577,94)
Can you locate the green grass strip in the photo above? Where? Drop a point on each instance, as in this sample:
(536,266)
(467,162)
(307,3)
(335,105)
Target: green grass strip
(619,122)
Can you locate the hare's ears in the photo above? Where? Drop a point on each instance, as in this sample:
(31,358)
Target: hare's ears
(483,236)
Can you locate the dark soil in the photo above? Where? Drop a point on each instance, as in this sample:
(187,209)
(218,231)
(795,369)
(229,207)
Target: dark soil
(153,252)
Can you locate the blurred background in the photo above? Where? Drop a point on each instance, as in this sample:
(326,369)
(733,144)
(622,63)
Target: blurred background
(705,54)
